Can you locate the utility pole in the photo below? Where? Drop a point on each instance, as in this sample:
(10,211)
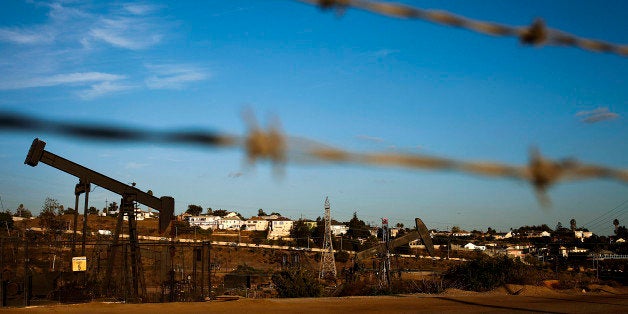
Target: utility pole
(328,263)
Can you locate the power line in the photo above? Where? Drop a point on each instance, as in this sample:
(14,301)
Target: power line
(596,221)
(537,34)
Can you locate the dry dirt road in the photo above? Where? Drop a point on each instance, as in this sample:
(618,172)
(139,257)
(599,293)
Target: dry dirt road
(480,303)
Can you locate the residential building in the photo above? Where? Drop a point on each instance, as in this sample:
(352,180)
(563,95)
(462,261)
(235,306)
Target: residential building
(204,221)
(279,227)
(471,246)
(338,230)
(230,222)
(256,224)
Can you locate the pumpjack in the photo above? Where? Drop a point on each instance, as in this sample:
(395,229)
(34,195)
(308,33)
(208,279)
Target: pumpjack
(382,250)
(130,195)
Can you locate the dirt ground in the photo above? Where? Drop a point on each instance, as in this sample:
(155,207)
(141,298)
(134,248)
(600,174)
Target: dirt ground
(530,299)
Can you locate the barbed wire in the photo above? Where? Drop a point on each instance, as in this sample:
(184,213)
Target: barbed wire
(536,34)
(274,146)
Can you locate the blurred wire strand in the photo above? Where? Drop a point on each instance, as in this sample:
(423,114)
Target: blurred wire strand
(536,34)
(272,145)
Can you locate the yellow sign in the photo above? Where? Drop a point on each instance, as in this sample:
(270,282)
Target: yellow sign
(79,263)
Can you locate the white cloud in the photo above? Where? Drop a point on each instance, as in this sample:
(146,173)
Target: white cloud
(78,78)
(103,88)
(596,115)
(173,76)
(128,33)
(370,138)
(140,8)
(22,36)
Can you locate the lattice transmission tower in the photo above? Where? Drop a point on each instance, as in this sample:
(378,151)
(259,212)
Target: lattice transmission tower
(328,263)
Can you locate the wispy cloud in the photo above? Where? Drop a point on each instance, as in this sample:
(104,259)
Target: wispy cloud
(173,76)
(370,138)
(103,88)
(79,78)
(24,36)
(382,53)
(596,115)
(66,47)
(134,165)
(140,8)
(129,33)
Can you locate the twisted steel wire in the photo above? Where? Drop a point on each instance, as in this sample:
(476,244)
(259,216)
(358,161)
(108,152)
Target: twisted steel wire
(536,34)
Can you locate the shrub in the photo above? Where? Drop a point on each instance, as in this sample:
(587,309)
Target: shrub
(296,283)
(488,273)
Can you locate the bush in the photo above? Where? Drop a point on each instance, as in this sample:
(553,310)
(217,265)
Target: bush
(488,273)
(296,283)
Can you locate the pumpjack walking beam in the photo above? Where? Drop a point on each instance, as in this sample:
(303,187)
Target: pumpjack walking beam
(130,194)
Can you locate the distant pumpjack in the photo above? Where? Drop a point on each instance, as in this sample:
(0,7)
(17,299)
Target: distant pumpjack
(328,263)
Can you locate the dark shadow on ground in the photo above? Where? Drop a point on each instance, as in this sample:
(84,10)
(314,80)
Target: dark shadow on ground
(494,306)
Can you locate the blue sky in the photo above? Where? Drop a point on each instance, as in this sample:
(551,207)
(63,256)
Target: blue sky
(358,81)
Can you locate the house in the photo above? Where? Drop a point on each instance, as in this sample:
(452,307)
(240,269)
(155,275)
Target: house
(256,224)
(501,236)
(311,224)
(471,246)
(338,230)
(373,231)
(279,227)
(579,234)
(515,251)
(620,240)
(394,232)
(461,234)
(203,221)
(140,215)
(230,222)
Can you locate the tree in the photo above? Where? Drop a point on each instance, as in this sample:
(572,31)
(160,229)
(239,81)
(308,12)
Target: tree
(92,210)
(301,232)
(69,211)
(572,224)
(210,211)
(616,224)
(621,232)
(194,210)
(357,228)
(559,226)
(6,220)
(23,212)
(275,213)
(113,207)
(261,212)
(50,208)
(455,229)
(48,215)
(220,212)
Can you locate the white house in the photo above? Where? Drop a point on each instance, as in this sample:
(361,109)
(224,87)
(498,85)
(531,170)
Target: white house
(499,236)
(256,224)
(230,222)
(337,230)
(471,246)
(279,227)
(579,234)
(140,215)
(204,221)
